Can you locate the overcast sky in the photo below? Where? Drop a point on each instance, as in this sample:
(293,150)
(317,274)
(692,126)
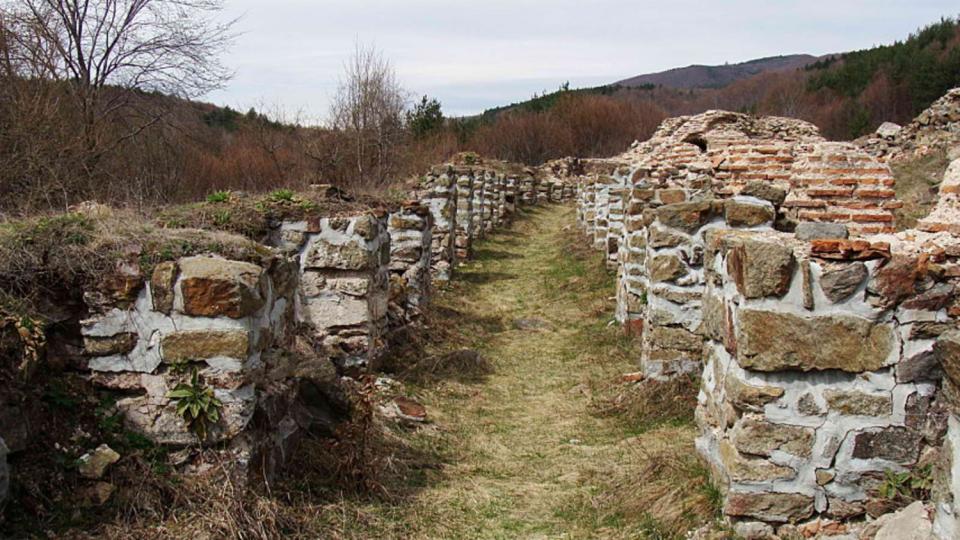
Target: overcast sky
(472,55)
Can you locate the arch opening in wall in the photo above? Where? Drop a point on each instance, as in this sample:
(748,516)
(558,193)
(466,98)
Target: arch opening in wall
(697,141)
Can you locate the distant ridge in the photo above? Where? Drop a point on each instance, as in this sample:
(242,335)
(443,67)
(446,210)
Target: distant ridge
(698,76)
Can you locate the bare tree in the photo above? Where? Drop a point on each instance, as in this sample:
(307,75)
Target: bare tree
(369,109)
(104,49)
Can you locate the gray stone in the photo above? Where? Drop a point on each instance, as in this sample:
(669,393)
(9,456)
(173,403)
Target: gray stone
(840,281)
(897,444)
(889,130)
(765,191)
(923,367)
(821,231)
(772,341)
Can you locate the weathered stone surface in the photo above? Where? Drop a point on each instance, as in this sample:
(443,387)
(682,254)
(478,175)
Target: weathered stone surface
(772,341)
(911,523)
(748,214)
(840,281)
(352,255)
(213,287)
(761,267)
(106,346)
(947,351)
(807,405)
(188,345)
(666,268)
(93,465)
(749,397)
(923,367)
(859,403)
(744,469)
(663,238)
(897,444)
(687,217)
(161,286)
(765,191)
(761,438)
(821,231)
(679,339)
(769,507)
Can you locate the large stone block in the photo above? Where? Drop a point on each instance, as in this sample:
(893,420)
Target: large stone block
(898,444)
(761,267)
(772,341)
(688,217)
(746,469)
(213,287)
(761,438)
(192,345)
(769,507)
(666,268)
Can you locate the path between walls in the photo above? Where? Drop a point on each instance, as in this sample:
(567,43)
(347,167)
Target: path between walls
(528,455)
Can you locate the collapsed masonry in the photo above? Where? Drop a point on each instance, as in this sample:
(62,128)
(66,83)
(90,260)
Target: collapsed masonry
(270,334)
(763,258)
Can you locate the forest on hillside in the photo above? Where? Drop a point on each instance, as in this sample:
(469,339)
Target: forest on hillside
(105,123)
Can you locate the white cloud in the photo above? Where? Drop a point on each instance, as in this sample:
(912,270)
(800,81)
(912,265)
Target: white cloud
(478,54)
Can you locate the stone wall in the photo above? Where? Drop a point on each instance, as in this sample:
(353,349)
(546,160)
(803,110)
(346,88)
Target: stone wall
(224,319)
(758,255)
(819,371)
(439,195)
(411,238)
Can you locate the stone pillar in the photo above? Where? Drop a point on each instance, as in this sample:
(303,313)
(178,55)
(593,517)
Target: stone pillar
(465,214)
(441,199)
(344,288)
(410,231)
(224,319)
(602,210)
(478,204)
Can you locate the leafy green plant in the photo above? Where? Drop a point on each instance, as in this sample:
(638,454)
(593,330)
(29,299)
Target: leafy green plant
(282,195)
(908,485)
(196,404)
(218,197)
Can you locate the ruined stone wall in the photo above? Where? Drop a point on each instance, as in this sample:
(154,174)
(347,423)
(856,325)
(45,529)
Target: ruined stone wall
(440,197)
(344,286)
(819,371)
(226,320)
(763,256)
(411,237)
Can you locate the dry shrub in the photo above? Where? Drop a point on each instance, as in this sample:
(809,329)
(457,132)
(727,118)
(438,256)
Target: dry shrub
(464,365)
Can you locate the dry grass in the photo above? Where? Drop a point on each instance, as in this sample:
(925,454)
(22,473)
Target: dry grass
(917,184)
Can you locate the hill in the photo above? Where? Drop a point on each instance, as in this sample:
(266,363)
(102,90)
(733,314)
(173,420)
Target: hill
(700,76)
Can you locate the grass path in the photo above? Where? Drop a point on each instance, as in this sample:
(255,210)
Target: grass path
(527,455)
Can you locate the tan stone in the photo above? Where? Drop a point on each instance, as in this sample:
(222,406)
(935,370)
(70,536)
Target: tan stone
(859,403)
(746,214)
(108,346)
(761,267)
(161,286)
(348,256)
(187,345)
(761,438)
(769,507)
(680,339)
(687,217)
(771,341)
(743,469)
(947,350)
(749,397)
(213,287)
(666,268)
